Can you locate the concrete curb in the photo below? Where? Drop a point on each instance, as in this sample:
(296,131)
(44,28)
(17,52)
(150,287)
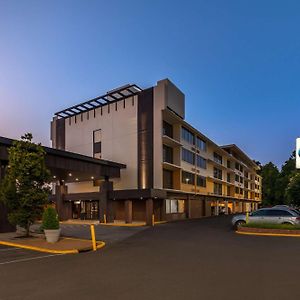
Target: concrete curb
(100,244)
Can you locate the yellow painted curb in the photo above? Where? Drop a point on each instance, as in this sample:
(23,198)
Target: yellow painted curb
(100,244)
(123,225)
(268,234)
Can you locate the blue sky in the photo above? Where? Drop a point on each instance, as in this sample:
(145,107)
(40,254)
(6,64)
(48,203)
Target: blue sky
(237,62)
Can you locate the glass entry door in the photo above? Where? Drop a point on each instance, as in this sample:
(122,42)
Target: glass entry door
(91,210)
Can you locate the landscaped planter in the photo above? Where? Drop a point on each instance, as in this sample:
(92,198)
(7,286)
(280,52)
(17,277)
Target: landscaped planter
(264,230)
(52,235)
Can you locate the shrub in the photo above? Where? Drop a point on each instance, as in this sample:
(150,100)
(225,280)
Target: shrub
(50,219)
(272,226)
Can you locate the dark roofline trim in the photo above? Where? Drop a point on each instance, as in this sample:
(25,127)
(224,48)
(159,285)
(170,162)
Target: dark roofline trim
(8,142)
(109,98)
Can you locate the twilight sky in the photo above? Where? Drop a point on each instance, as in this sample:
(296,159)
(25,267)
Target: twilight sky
(238,63)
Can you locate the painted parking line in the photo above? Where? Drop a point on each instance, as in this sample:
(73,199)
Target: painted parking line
(28,259)
(9,249)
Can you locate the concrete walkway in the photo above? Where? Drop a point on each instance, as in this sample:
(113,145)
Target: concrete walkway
(37,242)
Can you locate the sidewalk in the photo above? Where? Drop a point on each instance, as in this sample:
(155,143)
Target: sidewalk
(37,242)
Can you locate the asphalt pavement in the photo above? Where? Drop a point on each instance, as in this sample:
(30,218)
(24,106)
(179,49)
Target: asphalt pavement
(195,259)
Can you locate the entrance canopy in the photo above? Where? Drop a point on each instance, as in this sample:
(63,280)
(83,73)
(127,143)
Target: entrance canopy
(68,166)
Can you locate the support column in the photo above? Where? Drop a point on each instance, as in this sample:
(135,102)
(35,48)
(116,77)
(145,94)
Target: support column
(128,211)
(64,210)
(243,207)
(105,204)
(149,212)
(233,207)
(217,208)
(226,207)
(188,207)
(207,205)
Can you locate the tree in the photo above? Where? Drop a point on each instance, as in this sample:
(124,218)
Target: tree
(287,171)
(24,188)
(270,175)
(293,190)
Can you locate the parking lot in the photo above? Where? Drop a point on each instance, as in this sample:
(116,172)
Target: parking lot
(196,259)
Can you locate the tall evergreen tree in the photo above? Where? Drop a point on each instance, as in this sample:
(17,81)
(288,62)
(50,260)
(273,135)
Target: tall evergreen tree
(24,188)
(270,175)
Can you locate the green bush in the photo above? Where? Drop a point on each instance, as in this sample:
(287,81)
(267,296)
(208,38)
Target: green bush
(272,226)
(50,219)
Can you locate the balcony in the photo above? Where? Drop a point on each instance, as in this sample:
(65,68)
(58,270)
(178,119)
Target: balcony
(171,142)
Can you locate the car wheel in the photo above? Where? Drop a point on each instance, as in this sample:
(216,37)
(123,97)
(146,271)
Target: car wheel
(239,223)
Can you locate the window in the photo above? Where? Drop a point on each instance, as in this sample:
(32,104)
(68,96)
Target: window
(217,173)
(241,191)
(174,206)
(237,178)
(237,190)
(217,188)
(228,177)
(201,162)
(237,166)
(188,178)
(241,179)
(167,154)
(167,129)
(187,135)
(217,158)
(97,137)
(259,213)
(228,191)
(167,179)
(188,156)
(201,144)
(201,181)
(278,213)
(228,164)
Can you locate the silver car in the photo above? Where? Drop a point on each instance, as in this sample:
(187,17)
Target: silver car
(274,215)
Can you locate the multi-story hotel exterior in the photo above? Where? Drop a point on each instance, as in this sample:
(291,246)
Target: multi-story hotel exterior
(172,170)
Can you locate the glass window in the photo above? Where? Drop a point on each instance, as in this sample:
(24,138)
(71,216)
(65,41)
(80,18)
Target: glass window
(187,135)
(237,190)
(237,178)
(228,177)
(217,188)
(97,137)
(201,181)
(188,156)
(201,162)
(218,158)
(228,164)
(259,213)
(278,213)
(167,179)
(174,206)
(241,179)
(167,154)
(188,178)
(167,129)
(217,173)
(201,144)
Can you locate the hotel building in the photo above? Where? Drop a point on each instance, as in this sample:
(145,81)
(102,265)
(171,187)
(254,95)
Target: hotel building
(168,169)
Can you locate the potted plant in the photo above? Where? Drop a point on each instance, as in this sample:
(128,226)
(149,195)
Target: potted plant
(51,225)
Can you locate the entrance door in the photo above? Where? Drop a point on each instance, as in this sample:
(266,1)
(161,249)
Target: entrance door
(92,210)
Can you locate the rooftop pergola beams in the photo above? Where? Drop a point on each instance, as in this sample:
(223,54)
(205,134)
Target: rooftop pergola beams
(110,97)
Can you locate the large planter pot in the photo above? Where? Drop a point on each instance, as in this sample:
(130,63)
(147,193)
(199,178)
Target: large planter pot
(52,235)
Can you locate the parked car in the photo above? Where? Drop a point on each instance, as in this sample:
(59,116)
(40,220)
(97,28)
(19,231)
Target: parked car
(287,207)
(272,215)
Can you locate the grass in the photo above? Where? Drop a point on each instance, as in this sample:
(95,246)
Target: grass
(272,226)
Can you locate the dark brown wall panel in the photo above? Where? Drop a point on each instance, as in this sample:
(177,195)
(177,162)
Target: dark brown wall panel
(145,139)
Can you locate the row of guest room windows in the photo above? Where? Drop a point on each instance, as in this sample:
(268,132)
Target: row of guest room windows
(189,137)
(193,158)
(189,178)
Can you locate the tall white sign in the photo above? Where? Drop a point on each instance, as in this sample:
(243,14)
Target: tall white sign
(298,153)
